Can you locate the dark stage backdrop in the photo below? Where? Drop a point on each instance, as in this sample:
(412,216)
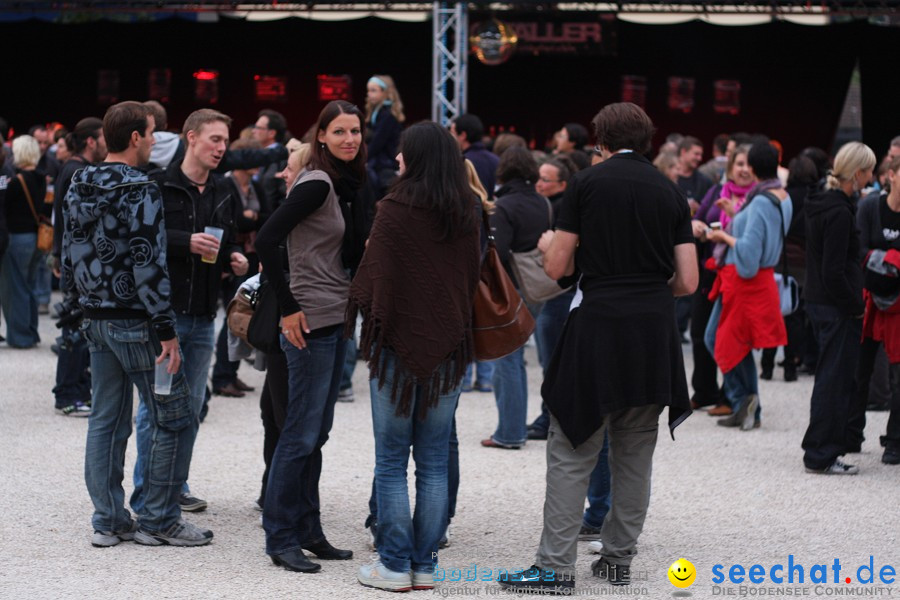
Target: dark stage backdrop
(793,78)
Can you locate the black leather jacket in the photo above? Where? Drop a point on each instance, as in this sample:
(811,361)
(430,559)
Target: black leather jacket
(196,284)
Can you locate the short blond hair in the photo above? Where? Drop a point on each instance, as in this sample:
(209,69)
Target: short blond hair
(197,119)
(852,157)
(26,151)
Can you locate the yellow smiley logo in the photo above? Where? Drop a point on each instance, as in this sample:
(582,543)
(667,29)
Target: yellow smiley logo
(682,573)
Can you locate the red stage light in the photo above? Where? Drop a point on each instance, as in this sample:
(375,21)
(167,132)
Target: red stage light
(204,75)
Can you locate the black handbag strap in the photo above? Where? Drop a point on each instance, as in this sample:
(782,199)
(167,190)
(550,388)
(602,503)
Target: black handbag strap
(487,228)
(777,202)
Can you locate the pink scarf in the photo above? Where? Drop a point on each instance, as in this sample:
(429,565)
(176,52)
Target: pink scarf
(731,189)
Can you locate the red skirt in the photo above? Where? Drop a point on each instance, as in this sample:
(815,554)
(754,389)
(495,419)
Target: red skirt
(751,315)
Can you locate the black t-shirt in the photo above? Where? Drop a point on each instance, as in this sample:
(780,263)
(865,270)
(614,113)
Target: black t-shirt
(695,186)
(19,218)
(628,217)
(890,224)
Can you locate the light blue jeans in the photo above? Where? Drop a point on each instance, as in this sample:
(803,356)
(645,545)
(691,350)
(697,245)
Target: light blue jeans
(410,542)
(742,380)
(196,336)
(18,279)
(511,392)
(123,356)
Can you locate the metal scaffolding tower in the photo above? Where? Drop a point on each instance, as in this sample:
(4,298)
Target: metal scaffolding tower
(449,71)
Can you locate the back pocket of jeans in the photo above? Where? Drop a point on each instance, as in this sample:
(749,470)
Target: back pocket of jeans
(133,344)
(173,411)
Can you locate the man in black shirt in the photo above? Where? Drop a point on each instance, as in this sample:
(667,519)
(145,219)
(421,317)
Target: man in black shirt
(692,182)
(195,199)
(618,362)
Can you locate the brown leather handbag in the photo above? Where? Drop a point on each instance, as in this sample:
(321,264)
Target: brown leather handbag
(238,315)
(44,228)
(501,322)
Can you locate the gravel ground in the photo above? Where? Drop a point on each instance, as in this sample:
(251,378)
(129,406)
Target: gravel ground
(720,496)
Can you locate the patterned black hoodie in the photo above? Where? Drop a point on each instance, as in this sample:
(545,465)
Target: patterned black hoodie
(114,246)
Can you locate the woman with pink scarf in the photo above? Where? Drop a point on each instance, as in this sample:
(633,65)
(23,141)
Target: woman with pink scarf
(720,204)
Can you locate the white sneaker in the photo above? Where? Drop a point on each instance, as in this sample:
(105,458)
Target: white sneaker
(836,468)
(345,395)
(596,546)
(378,576)
(423,581)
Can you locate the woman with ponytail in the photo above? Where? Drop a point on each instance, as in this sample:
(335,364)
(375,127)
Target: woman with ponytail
(834,304)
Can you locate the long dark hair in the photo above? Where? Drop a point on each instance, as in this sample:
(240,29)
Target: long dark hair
(435,178)
(321,159)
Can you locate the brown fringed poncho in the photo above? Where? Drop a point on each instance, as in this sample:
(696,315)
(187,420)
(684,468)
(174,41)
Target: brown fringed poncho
(415,293)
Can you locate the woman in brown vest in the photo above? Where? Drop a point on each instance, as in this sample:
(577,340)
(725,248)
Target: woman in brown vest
(323,220)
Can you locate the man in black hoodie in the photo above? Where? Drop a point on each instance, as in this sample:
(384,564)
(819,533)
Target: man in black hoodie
(834,304)
(114,255)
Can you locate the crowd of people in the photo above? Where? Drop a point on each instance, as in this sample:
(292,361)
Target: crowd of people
(366,224)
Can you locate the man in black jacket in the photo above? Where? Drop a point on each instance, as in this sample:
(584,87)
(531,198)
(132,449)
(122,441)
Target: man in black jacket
(195,199)
(73,381)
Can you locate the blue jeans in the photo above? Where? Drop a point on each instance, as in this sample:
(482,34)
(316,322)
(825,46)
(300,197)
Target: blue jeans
(122,356)
(196,338)
(43,281)
(599,490)
(410,543)
(511,392)
(484,372)
(452,481)
(18,279)
(291,515)
(742,380)
(349,364)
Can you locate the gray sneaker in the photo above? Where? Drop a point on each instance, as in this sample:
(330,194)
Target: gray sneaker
(106,539)
(181,533)
(747,412)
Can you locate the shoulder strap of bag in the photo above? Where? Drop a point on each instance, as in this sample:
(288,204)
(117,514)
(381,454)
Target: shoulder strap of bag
(777,202)
(28,197)
(549,211)
(487,228)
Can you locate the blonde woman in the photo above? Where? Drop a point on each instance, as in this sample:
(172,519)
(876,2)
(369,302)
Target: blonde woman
(834,304)
(667,164)
(384,119)
(19,270)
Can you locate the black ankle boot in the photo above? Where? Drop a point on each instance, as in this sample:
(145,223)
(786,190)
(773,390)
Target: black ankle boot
(790,372)
(325,551)
(295,560)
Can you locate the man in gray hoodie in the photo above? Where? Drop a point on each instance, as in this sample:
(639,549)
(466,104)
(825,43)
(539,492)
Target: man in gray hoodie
(114,255)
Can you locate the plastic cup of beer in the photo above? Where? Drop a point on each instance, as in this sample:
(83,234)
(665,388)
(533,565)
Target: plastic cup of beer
(715,225)
(218,233)
(162,379)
